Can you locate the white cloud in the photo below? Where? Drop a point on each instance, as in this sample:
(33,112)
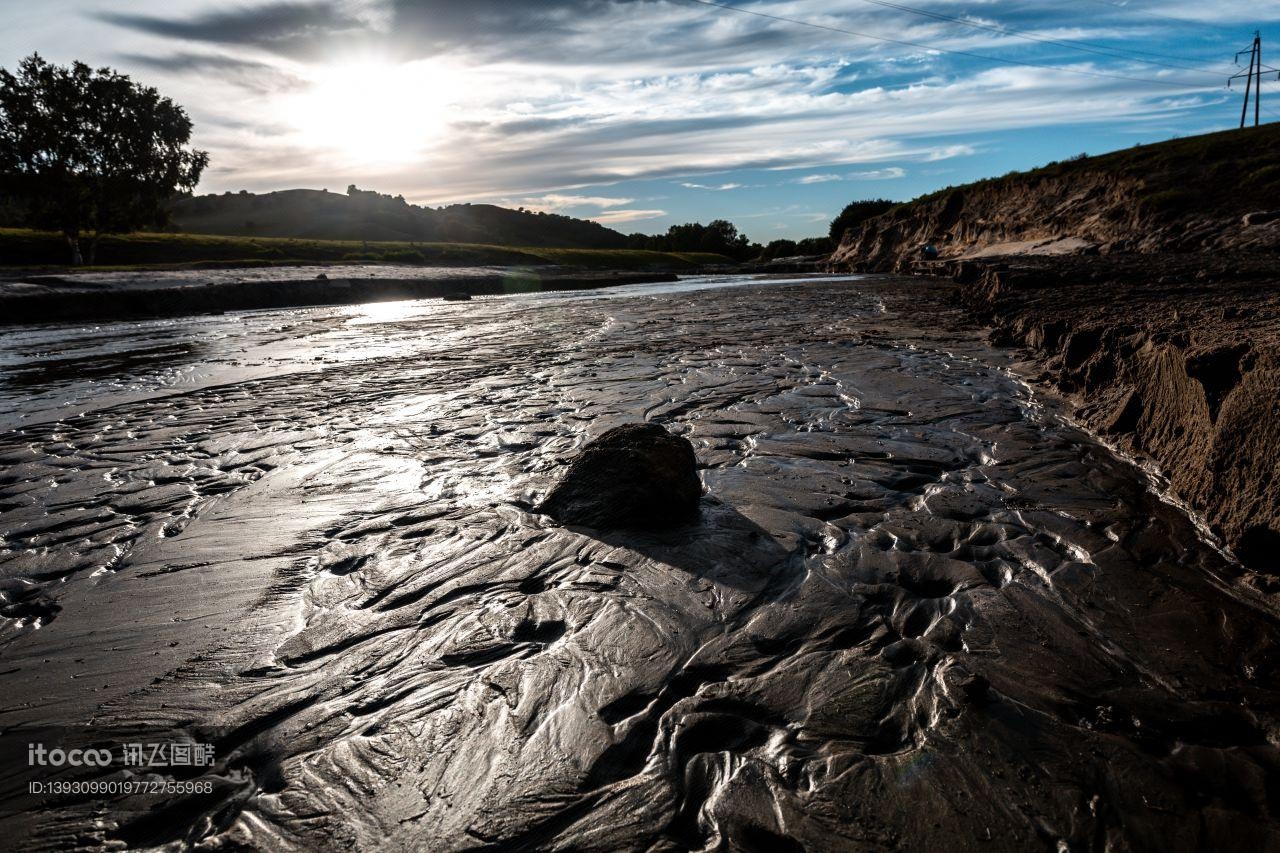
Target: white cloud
(554,202)
(819,179)
(951,151)
(893,173)
(714,188)
(617,217)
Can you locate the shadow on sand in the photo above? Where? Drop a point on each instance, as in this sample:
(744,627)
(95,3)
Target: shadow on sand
(722,545)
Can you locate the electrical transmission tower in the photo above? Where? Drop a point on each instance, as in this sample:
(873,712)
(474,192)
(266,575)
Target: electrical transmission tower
(1253,79)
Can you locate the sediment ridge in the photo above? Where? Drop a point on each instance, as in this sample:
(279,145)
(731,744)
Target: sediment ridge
(1176,358)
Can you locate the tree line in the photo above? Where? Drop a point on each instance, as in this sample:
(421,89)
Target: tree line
(722,237)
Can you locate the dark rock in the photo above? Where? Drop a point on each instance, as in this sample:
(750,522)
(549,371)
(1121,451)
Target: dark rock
(457,296)
(636,476)
(1261,217)
(1258,546)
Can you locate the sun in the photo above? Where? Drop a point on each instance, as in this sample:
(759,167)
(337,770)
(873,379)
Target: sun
(375,113)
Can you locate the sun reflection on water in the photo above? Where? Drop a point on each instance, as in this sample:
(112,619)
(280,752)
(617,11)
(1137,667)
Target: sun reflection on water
(386,312)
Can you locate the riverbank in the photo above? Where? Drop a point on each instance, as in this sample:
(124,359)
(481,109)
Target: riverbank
(1174,357)
(1210,193)
(111,296)
(1145,284)
(26,251)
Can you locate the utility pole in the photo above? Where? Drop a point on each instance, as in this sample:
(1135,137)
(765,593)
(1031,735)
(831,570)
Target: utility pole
(1253,80)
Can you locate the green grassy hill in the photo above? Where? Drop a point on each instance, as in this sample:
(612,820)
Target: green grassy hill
(26,248)
(1221,172)
(363,215)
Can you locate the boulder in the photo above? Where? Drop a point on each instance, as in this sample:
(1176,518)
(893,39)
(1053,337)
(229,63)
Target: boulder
(634,477)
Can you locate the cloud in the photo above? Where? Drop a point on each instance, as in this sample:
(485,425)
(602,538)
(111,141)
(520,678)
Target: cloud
(713,188)
(618,217)
(403,28)
(951,151)
(248,74)
(890,174)
(819,179)
(553,202)
(573,32)
(288,28)
(525,131)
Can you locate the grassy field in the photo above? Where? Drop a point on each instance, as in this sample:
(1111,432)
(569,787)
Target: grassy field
(26,249)
(1199,175)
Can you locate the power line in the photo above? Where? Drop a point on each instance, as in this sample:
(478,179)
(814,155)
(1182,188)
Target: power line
(1141,11)
(921,46)
(1115,53)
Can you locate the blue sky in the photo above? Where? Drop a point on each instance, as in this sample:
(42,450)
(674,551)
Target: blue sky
(644,113)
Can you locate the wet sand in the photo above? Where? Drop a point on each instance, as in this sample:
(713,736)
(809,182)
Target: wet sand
(920,609)
(116,295)
(1174,357)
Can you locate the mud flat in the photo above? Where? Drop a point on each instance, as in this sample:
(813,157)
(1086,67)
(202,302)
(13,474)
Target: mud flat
(84,298)
(920,609)
(1176,357)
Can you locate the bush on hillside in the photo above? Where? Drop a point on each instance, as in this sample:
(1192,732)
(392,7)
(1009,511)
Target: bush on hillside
(857,213)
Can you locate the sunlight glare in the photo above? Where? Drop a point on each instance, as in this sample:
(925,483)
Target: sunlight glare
(386,312)
(375,113)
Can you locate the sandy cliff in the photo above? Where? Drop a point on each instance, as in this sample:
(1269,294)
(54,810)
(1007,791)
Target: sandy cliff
(1210,192)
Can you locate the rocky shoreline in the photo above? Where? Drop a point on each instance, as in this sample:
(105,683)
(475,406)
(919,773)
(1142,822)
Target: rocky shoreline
(1174,357)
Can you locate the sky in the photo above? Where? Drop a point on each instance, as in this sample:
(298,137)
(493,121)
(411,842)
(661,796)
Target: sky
(644,113)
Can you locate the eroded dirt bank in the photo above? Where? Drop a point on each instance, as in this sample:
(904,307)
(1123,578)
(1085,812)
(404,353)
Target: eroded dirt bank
(1207,193)
(919,611)
(1176,357)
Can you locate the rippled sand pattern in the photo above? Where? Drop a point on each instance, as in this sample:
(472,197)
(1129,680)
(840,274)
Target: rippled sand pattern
(919,611)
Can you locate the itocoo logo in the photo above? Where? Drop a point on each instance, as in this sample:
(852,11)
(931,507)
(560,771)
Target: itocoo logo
(38,756)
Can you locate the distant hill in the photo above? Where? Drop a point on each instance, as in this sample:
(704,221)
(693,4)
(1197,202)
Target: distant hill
(363,215)
(1203,193)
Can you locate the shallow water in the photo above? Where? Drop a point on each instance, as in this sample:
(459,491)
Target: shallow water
(919,611)
(150,279)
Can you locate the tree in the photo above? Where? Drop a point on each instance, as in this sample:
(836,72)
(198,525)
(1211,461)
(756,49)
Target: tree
(720,237)
(91,152)
(815,246)
(779,249)
(857,213)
